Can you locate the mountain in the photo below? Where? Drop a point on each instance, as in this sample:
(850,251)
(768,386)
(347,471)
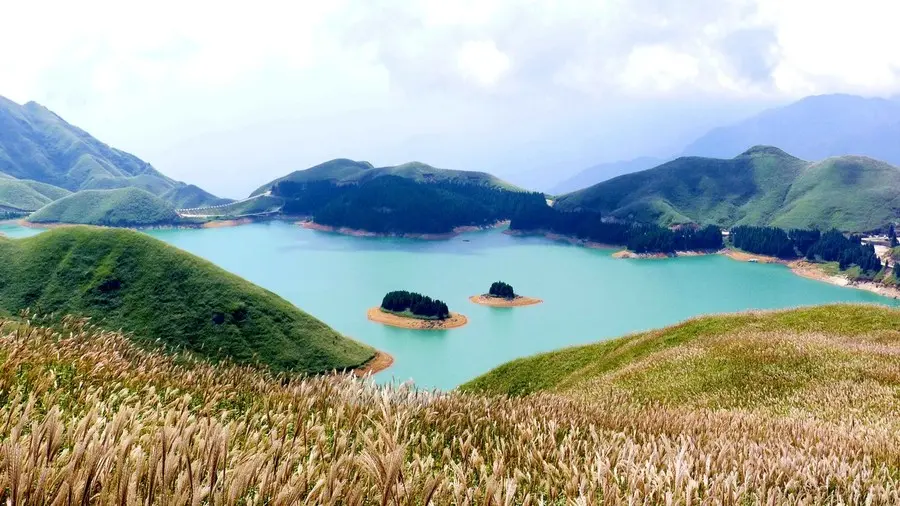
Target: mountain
(786,408)
(38,145)
(27,195)
(125,207)
(191,196)
(602,172)
(127,280)
(342,171)
(762,186)
(814,128)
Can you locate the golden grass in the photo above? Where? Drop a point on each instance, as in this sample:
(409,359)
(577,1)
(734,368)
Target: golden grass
(88,418)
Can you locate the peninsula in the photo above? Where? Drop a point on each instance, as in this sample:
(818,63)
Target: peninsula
(502,295)
(412,310)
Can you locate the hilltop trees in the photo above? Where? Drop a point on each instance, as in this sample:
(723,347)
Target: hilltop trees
(419,305)
(769,241)
(637,237)
(501,289)
(393,204)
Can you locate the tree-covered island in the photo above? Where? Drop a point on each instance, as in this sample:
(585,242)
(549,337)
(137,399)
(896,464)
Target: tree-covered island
(415,311)
(502,294)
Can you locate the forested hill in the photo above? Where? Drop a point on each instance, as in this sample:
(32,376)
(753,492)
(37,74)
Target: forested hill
(763,186)
(397,205)
(38,145)
(344,171)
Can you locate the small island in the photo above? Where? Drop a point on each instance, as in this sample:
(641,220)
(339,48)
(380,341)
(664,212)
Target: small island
(410,310)
(502,295)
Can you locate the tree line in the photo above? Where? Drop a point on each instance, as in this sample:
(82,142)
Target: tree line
(416,303)
(393,204)
(814,245)
(637,237)
(501,289)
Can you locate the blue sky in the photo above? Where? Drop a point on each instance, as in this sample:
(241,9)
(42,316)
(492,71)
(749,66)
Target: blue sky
(229,94)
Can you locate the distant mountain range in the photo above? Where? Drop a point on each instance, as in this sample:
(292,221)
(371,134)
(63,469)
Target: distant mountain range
(813,128)
(44,158)
(762,186)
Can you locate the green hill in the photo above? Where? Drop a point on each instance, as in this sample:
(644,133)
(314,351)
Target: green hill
(36,144)
(343,171)
(190,196)
(779,360)
(27,195)
(127,280)
(126,207)
(763,186)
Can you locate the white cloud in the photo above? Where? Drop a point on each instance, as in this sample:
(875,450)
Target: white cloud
(481,62)
(658,68)
(150,77)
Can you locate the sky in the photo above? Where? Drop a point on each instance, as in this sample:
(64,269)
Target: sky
(229,95)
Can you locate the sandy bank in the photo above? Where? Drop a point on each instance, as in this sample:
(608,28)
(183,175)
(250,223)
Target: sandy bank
(365,233)
(375,314)
(375,365)
(487,300)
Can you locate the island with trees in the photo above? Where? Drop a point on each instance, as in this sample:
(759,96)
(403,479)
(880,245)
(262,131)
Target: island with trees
(411,310)
(502,295)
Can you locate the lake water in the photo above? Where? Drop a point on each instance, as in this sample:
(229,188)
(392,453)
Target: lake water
(588,295)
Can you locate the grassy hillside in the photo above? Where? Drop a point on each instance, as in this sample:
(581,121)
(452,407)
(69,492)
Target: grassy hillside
(127,280)
(783,360)
(28,195)
(343,171)
(161,429)
(261,204)
(116,208)
(36,144)
(190,196)
(763,186)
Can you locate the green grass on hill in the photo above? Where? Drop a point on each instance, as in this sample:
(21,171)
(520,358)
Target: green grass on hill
(350,171)
(28,195)
(128,280)
(191,196)
(263,204)
(778,360)
(763,187)
(119,208)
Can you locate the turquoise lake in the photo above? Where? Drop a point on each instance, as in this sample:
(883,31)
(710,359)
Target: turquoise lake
(588,295)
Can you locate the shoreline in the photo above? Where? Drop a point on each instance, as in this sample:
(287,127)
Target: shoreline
(233,222)
(456,320)
(374,365)
(354,232)
(562,238)
(810,270)
(799,267)
(486,300)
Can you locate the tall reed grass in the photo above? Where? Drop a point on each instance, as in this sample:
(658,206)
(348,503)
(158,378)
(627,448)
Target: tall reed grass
(88,418)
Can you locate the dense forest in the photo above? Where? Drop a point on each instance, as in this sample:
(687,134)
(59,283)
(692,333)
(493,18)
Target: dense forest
(415,303)
(637,237)
(393,204)
(830,246)
(501,289)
